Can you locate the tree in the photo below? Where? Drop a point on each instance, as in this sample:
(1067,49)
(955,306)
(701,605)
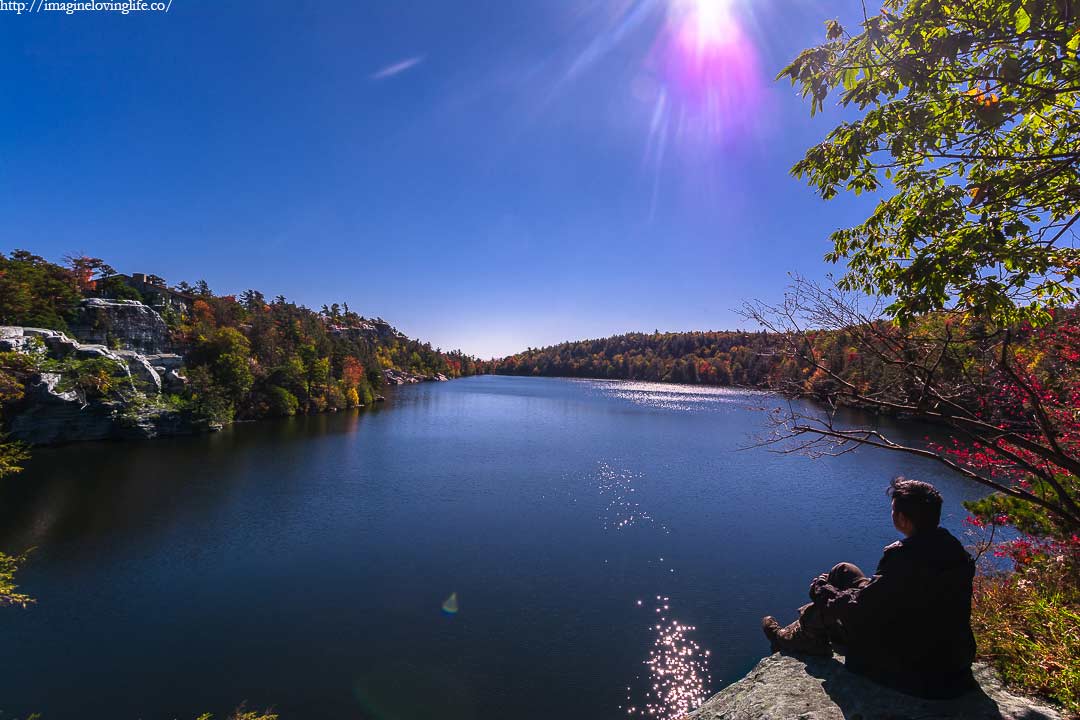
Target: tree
(86,270)
(220,375)
(1008,397)
(282,402)
(970,130)
(252,300)
(8,596)
(35,292)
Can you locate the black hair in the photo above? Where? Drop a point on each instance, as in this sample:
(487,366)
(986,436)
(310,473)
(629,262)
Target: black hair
(920,502)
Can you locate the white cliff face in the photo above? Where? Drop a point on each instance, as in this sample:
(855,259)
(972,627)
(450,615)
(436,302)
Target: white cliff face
(781,686)
(127,324)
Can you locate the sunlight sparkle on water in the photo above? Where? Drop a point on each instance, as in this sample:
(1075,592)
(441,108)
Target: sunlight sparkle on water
(617,487)
(679,677)
(678,397)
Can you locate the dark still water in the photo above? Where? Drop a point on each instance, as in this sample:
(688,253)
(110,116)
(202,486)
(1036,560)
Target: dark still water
(305,564)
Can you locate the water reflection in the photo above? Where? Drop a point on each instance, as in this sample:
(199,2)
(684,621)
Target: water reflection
(98,489)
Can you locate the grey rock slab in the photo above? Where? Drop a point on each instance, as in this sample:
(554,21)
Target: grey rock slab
(782,686)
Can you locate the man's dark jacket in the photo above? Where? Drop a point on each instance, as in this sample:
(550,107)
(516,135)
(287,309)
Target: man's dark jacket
(909,626)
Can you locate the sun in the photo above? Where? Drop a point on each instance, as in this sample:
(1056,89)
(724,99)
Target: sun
(707,23)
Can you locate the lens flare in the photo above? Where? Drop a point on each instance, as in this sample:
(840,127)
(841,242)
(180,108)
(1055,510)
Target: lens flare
(699,78)
(709,68)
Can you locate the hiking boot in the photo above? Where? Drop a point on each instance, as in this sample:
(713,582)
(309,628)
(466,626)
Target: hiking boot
(793,640)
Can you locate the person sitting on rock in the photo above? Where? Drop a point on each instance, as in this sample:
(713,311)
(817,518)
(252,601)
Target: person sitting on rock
(909,625)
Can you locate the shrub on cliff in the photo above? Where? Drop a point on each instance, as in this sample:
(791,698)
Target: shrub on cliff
(1027,621)
(92,378)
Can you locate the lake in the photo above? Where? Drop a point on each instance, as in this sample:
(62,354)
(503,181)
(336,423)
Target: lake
(493,547)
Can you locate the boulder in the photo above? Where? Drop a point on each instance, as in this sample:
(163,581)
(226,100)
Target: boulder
(169,361)
(95,352)
(782,686)
(173,382)
(57,343)
(141,371)
(12,339)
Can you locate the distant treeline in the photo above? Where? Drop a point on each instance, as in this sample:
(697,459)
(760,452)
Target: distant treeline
(708,358)
(735,358)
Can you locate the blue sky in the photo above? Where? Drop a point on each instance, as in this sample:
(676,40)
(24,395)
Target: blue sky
(485,175)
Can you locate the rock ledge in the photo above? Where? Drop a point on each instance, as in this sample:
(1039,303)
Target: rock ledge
(822,689)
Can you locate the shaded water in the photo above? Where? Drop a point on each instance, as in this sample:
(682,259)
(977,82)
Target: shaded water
(610,547)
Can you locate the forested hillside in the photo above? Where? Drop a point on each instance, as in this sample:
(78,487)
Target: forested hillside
(766,359)
(747,359)
(715,358)
(245,356)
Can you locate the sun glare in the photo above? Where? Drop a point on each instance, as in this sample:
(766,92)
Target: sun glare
(709,67)
(706,23)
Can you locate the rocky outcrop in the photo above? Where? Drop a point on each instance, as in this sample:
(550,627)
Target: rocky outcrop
(48,415)
(51,416)
(126,324)
(14,339)
(371,330)
(58,346)
(822,689)
(399,377)
(393,376)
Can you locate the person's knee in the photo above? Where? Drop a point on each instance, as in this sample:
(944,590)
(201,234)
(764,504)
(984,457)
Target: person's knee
(845,574)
